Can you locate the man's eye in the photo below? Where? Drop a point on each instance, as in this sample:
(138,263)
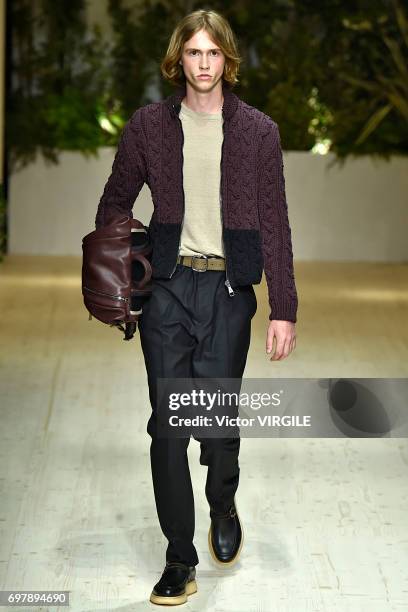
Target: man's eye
(193,52)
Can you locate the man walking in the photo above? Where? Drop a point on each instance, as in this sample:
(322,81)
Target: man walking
(214,167)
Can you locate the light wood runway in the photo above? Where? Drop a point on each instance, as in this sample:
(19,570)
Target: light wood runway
(325,519)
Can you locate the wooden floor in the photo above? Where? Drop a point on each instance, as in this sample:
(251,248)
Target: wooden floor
(325,519)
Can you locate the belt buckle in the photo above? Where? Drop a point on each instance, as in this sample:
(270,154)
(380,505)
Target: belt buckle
(199,257)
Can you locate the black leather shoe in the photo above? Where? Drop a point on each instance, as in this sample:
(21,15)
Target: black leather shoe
(225,537)
(177,581)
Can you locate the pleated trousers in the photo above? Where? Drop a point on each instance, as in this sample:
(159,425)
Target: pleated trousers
(192,328)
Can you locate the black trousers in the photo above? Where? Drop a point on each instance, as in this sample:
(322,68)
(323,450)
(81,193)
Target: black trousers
(191,327)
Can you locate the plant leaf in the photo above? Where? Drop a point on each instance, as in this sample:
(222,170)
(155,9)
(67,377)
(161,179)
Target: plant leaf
(373,122)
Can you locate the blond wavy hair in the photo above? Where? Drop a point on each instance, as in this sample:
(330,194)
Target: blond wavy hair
(219,31)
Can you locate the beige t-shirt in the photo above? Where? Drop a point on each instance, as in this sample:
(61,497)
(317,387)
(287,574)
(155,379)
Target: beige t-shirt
(202,228)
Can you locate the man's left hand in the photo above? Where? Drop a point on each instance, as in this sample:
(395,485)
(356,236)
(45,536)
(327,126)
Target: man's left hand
(284,334)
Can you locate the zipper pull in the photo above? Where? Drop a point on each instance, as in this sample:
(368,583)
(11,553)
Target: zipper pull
(230,289)
(90,317)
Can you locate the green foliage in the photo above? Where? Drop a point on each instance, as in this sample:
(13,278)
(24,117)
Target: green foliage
(60,84)
(324,70)
(364,49)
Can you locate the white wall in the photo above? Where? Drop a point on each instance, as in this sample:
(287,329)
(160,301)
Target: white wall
(354,213)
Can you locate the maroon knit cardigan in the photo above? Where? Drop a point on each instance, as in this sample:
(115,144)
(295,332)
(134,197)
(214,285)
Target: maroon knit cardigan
(254,214)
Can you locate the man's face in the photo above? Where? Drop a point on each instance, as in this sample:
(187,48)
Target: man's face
(200,56)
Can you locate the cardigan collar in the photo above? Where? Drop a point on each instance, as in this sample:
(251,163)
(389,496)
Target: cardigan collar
(173,101)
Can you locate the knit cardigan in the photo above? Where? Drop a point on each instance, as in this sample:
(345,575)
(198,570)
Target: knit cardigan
(254,212)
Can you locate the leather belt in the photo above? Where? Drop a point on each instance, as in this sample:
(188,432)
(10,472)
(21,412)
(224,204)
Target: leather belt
(202,263)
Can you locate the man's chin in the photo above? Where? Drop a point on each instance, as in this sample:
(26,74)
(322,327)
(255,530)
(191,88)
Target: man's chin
(204,85)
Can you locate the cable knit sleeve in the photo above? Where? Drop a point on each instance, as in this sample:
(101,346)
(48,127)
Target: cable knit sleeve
(274,226)
(129,173)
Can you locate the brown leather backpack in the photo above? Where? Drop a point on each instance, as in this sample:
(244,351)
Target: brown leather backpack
(116,273)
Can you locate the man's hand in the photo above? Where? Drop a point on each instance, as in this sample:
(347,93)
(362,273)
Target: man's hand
(285,335)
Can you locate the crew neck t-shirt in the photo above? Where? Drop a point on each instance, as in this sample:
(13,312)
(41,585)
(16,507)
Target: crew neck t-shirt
(202,227)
